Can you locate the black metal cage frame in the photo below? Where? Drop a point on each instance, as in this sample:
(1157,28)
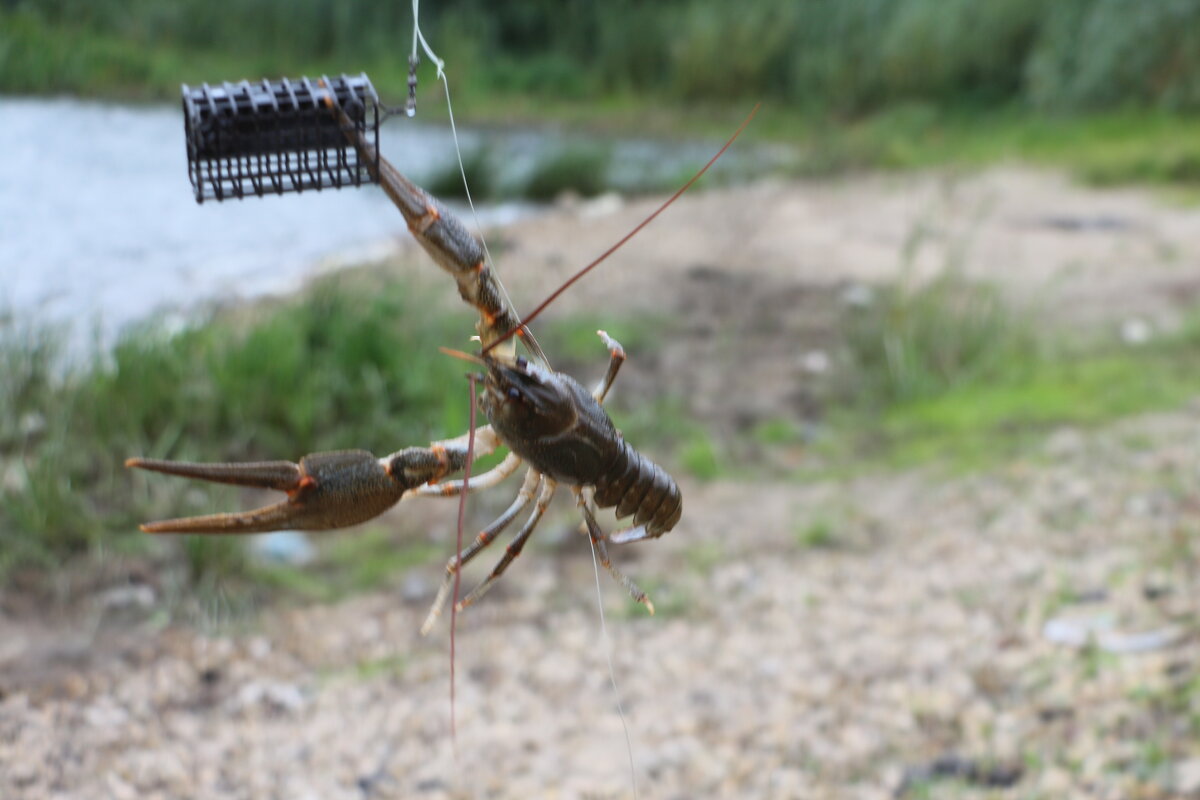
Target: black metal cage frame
(273,137)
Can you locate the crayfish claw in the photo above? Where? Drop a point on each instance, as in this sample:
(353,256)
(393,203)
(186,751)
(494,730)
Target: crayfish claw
(325,490)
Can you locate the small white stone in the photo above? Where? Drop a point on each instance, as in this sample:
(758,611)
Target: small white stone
(1187,776)
(815,362)
(284,547)
(280,697)
(1135,331)
(31,423)
(601,206)
(858,295)
(122,597)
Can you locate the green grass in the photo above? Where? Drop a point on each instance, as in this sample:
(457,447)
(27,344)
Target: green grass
(578,170)
(777,431)
(481,177)
(913,342)
(340,366)
(817,534)
(575,345)
(845,57)
(980,423)
(351,362)
(947,372)
(939,372)
(1111,147)
(352,562)
(936,373)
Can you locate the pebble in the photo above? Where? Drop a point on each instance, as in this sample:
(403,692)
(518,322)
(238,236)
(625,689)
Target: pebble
(279,697)
(292,548)
(1187,776)
(135,596)
(1136,331)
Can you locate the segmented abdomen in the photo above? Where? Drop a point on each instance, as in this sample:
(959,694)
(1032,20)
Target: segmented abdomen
(638,486)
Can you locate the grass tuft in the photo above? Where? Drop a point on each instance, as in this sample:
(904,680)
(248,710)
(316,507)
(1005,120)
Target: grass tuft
(447,182)
(817,534)
(910,343)
(582,171)
(947,371)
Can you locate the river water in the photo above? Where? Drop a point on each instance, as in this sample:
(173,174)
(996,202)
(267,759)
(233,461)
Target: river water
(98,226)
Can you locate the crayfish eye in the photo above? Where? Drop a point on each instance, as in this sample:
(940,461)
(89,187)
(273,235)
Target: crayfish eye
(514,393)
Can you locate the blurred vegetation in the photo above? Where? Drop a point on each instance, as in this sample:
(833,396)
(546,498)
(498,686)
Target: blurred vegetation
(1105,87)
(480,174)
(845,56)
(228,390)
(934,370)
(948,371)
(912,343)
(578,170)
(942,370)
(348,363)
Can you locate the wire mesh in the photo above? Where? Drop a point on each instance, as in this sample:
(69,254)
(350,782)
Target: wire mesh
(273,137)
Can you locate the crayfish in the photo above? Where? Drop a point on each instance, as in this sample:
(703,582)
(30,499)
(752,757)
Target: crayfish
(545,418)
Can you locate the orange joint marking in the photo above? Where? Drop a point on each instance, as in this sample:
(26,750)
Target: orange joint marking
(480,267)
(443,460)
(431,216)
(305,485)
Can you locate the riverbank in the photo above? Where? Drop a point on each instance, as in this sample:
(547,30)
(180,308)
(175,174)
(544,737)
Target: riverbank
(1026,629)
(947,524)
(871,322)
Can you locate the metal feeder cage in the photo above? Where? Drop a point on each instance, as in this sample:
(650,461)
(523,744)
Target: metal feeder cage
(252,139)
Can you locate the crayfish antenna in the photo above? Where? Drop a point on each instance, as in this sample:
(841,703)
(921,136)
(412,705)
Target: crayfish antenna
(474,359)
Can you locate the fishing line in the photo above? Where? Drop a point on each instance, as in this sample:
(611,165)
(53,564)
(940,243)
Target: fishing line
(612,673)
(462,514)
(411,110)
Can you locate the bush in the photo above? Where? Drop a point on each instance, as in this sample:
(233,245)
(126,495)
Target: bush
(1108,53)
(580,170)
(447,182)
(848,56)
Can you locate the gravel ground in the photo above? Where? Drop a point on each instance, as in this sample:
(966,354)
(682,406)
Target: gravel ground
(1027,632)
(1031,628)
